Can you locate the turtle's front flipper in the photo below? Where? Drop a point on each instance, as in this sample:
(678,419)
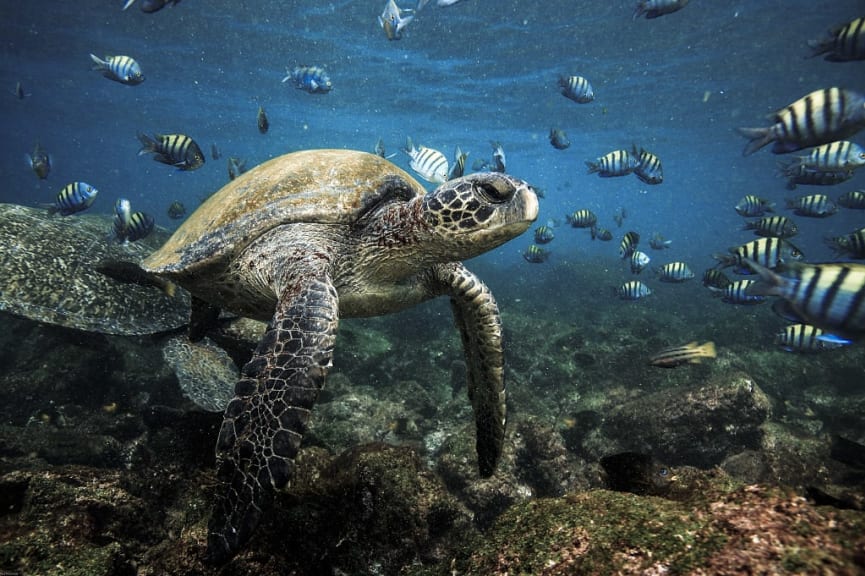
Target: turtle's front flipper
(477,318)
(266,420)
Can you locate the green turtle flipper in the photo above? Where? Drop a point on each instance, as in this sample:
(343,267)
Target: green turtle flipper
(265,422)
(477,318)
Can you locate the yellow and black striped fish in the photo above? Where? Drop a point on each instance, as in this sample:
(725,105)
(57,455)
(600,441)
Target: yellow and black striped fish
(615,163)
(576,88)
(736,292)
(535,254)
(820,117)
(674,272)
(854,200)
(851,245)
(830,296)
(140,226)
(649,168)
(74,197)
(121,69)
(752,205)
(601,234)
(714,278)
(178,150)
(544,234)
(808,338)
(628,244)
(459,167)
(768,252)
(690,353)
(843,44)
(812,206)
(583,218)
(639,261)
(430,164)
(263,122)
(776,226)
(838,156)
(800,174)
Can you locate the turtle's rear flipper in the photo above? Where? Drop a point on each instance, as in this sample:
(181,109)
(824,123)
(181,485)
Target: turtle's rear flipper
(131,273)
(266,420)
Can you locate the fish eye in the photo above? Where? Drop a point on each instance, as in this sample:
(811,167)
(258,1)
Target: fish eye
(663,472)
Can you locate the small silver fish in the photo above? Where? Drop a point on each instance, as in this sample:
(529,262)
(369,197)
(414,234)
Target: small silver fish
(499,163)
(392,21)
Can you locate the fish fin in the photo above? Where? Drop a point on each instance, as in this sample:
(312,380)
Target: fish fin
(100,64)
(128,4)
(708,350)
(409,146)
(724,260)
(148,144)
(757,138)
(833,339)
(592,166)
(769,284)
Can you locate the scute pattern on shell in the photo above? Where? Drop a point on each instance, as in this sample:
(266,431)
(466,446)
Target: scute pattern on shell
(322,186)
(47,275)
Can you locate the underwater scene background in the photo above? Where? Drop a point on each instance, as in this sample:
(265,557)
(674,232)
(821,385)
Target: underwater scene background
(752,460)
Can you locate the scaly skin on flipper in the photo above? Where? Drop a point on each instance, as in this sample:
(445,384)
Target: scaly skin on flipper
(479,323)
(267,419)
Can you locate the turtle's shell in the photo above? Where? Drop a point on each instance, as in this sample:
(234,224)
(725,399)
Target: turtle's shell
(321,186)
(47,274)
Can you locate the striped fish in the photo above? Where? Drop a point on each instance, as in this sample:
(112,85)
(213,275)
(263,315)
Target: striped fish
(648,168)
(844,43)
(818,118)
(601,234)
(544,234)
(615,163)
(839,156)
(74,197)
(830,296)
(808,338)
(850,245)
(535,254)
(812,206)
(674,272)
(628,244)
(122,214)
(736,292)
(751,205)
(121,69)
(140,226)
(639,261)
(690,353)
(655,8)
(769,252)
(312,79)
(430,164)
(576,88)
(854,200)
(775,226)
(459,167)
(798,174)
(582,218)
(633,290)
(178,150)
(714,278)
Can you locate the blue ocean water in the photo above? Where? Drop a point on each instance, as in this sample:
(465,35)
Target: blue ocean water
(463,75)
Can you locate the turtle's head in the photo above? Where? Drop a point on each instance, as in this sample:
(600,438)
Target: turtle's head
(479,212)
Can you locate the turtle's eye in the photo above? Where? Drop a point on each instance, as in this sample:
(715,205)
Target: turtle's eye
(495,190)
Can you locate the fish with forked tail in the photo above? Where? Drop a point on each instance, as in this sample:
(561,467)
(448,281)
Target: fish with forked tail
(690,353)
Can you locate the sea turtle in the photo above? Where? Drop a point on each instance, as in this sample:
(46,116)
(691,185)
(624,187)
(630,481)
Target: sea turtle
(309,237)
(47,274)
